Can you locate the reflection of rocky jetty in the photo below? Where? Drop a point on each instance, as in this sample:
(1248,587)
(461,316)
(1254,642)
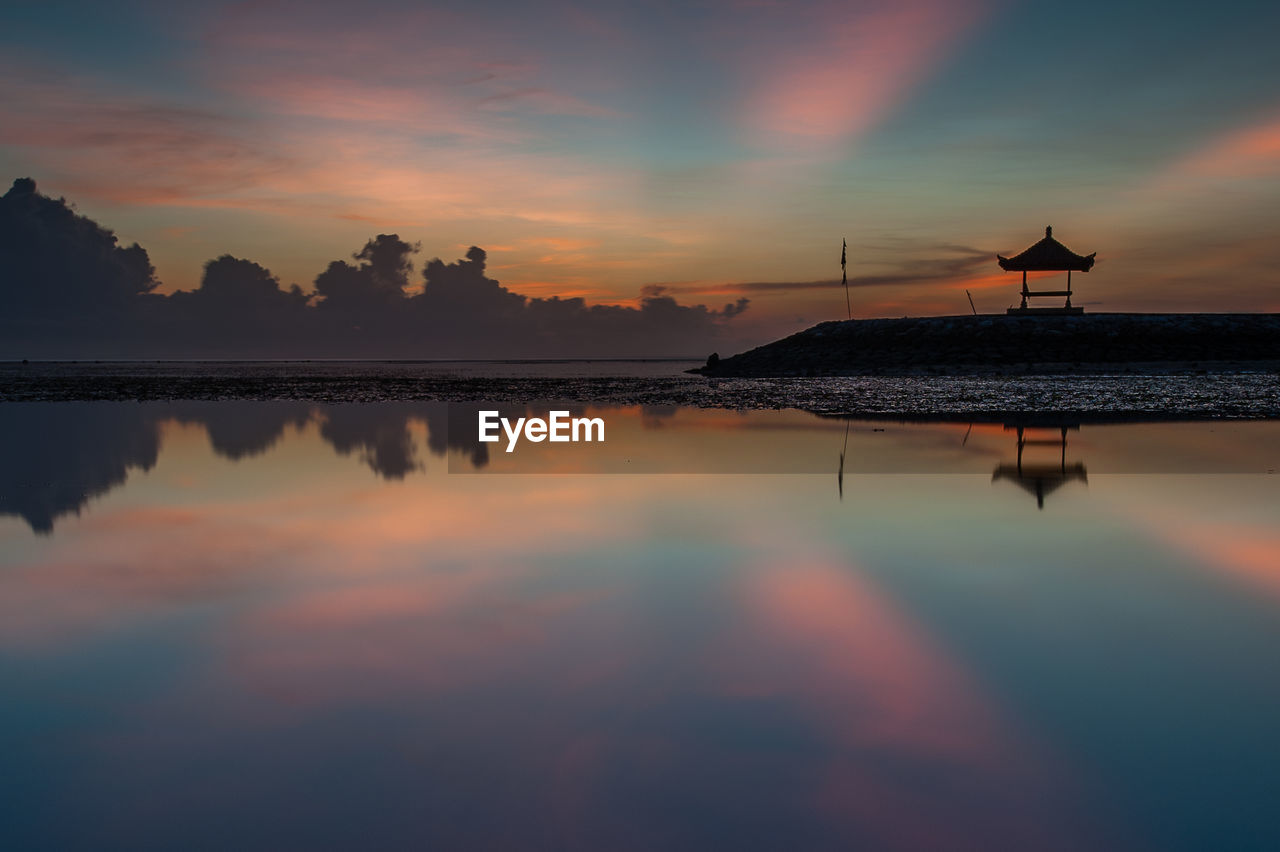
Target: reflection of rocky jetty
(1016,344)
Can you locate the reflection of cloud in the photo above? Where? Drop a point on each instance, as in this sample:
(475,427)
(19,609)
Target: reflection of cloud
(120,567)
(1245,553)
(60,457)
(901,711)
(380,432)
(241,428)
(126,562)
(57,457)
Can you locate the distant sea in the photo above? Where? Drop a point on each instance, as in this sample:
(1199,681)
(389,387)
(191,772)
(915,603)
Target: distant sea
(646,382)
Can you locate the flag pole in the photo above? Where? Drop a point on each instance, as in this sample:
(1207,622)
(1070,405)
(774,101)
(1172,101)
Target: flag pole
(844,278)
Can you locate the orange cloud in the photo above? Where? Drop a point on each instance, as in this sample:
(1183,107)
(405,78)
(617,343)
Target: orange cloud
(1245,152)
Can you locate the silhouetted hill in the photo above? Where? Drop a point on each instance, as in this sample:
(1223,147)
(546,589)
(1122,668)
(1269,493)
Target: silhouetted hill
(1090,343)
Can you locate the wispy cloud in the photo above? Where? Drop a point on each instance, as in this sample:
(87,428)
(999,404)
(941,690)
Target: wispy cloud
(1249,151)
(964,263)
(130,149)
(843,66)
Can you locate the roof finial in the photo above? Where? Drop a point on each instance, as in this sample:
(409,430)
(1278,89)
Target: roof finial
(1048,230)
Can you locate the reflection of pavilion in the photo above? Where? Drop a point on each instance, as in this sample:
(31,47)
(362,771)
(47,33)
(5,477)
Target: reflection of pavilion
(1041,477)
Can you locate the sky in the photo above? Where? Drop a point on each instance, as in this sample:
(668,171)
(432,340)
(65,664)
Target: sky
(705,150)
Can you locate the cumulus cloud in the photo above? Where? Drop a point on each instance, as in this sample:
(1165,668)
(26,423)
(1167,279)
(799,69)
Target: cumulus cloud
(462,292)
(60,267)
(375,284)
(57,265)
(238,297)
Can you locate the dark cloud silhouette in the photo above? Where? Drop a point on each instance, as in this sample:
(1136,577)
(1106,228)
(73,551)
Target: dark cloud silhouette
(69,291)
(461,290)
(458,301)
(238,305)
(367,291)
(231,285)
(62,267)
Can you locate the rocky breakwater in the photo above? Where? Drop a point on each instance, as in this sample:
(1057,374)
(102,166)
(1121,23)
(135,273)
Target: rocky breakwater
(1009,344)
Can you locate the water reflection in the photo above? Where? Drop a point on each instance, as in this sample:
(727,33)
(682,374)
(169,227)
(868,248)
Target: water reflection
(380,433)
(56,458)
(305,632)
(59,457)
(1041,476)
(240,429)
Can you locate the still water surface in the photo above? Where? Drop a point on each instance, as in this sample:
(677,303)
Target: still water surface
(285,625)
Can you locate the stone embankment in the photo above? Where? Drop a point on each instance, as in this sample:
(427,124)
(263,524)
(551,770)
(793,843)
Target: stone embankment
(1004,344)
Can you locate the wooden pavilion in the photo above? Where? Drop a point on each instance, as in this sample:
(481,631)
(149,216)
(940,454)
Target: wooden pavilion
(1048,255)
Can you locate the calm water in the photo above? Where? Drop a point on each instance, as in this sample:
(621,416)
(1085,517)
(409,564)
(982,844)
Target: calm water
(289,625)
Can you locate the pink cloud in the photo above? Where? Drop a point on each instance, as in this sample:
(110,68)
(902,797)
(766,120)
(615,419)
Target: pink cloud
(855,63)
(434,70)
(130,148)
(545,102)
(135,152)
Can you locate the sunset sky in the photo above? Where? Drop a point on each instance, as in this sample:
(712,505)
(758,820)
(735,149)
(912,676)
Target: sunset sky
(717,149)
